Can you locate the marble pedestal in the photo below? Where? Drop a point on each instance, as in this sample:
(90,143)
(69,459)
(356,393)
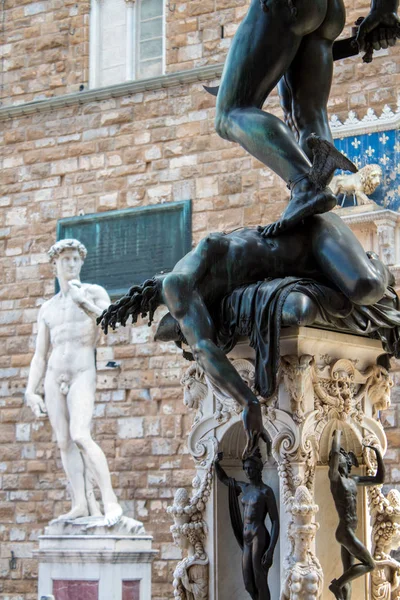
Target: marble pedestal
(95,564)
(327,381)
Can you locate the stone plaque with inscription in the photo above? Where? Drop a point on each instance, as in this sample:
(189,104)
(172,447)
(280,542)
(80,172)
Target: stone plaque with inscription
(128,246)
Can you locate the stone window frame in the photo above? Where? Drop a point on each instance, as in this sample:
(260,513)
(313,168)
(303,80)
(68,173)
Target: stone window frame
(132,43)
(182,209)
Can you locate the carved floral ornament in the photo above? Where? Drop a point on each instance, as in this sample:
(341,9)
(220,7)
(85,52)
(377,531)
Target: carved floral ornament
(303,572)
(332,394)
(338,392)
(189,532)
(385,525)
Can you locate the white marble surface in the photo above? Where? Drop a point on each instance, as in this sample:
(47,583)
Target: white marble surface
(319,366)
(101,555)
(65,359)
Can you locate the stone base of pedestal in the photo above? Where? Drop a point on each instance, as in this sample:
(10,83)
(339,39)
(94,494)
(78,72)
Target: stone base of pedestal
(327,381)
(96,564)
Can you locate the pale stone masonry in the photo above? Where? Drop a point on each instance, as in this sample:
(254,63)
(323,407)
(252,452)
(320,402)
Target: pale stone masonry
(81,157)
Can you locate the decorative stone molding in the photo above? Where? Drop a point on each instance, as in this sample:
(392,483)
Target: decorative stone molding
(225,405)
(189,532)
(378,230)
(370,122)
(326,381)
(342,395)
(303,572)
(385,523)
(199,74)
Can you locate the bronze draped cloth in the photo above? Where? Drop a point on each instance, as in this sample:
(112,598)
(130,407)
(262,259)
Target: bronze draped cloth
(234,512)
(255,311)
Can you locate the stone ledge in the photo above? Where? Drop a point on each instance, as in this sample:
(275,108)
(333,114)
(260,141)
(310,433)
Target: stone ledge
(98,556)
(115,91)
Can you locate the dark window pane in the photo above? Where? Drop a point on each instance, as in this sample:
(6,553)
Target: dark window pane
(126,247)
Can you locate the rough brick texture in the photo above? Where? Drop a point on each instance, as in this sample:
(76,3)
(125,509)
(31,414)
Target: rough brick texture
(136,150)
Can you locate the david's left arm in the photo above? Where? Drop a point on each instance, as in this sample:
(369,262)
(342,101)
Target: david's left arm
(92,299)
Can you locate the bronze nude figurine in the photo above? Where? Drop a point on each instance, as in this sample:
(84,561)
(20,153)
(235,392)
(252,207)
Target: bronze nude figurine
(344,492)
(257,544)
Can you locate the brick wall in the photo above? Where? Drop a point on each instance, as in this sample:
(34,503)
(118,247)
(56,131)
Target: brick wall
(139,149)
(44,49)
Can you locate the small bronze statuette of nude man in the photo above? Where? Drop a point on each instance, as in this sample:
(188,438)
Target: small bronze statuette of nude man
(257,544)
(344,492)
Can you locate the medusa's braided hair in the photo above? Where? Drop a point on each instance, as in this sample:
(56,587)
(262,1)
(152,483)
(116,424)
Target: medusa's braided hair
(141,300)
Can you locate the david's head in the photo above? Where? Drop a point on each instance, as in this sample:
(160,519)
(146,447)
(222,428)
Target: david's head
(67,256)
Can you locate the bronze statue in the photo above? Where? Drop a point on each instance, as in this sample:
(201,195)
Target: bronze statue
(291,43)
(344,492)
(326,251)
(257,544)
(275,40)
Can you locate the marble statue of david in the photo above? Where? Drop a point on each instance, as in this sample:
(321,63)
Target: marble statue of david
(65,357)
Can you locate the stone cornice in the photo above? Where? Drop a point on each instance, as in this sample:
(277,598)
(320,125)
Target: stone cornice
(353,125)
(373,216)
(207,73)
(369,123)
(106,557)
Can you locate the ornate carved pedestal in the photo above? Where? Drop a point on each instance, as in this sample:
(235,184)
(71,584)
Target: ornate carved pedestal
(94,564)
(327,381)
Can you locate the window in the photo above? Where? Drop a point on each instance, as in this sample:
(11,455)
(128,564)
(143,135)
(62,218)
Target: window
(126,40)
(126,247)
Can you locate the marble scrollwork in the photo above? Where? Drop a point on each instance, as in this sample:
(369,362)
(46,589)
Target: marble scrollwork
(335,389)
(189,532)
(226,406)
(317,394)
(303,572)
(342,394)
(385,524)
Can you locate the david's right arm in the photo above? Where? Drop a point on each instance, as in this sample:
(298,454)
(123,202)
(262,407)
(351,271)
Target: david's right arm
(38,368)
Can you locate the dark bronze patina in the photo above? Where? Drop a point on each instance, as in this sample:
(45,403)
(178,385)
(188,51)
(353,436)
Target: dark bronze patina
(324,250)
(257,544)
(344,492)
(290,43)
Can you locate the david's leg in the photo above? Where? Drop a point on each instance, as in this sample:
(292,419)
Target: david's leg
(80,404)
(70,456)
